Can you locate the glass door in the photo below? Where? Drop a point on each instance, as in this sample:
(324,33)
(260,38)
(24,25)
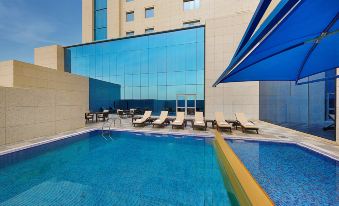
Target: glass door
(186,103)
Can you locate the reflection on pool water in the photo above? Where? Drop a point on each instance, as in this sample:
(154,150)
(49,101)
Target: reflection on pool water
(129,169)
(290,174)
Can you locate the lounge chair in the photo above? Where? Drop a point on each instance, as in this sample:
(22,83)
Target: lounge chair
(162,119)
(221,123)
(199,121)
(144,119)
(245,123)
(103,115)
(89,116)
(179,120)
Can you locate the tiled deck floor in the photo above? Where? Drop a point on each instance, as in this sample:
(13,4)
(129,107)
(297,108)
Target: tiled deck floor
(267,132)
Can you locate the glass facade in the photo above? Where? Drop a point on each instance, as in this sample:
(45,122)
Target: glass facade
(151,69)
(100,19)
(309,108)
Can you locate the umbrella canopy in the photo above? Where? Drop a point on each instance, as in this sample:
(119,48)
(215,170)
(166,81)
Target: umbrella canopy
(300,38)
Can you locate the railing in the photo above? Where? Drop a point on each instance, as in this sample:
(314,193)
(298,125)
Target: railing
(247,190)
(108,124)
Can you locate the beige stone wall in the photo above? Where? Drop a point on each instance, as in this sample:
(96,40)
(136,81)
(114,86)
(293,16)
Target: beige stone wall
(222,38)
(6,73)
(2,116)
(169,14)
(50,56)
(113,18)
(87,21)
(41,102)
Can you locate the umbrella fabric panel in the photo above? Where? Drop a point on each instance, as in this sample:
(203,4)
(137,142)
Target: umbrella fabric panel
(323,58)
(282,67)
(311,17)
(297,31)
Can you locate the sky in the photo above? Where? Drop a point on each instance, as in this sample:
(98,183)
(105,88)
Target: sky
(28,24)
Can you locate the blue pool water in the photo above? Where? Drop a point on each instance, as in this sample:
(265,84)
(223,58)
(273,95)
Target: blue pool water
(130,169)
(290,174)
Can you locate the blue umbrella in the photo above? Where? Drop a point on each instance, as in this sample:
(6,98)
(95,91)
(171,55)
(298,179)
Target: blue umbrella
(300,38)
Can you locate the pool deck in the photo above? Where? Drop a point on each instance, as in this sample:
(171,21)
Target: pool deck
(267,132)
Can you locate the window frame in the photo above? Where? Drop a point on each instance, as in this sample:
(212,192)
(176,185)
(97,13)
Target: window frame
(149,30)
(189,5)
(129,13)
(130,33)
(191,23)
(151,8)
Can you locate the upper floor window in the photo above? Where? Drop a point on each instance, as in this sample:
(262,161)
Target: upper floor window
(149,12)
(130,33)
(191,4)
(100,19)
(149,30)
(191,23)
(129,0)
(130,16)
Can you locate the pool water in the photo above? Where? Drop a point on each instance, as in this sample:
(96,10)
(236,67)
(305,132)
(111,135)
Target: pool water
(290,174)
(129,169)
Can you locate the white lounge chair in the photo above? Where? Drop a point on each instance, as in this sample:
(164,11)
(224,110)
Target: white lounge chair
(162,119)
(245,123)
(179,120)
(144,119)
(221,122)
(199,121)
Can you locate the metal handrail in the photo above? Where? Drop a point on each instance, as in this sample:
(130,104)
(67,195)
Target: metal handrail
(109,122)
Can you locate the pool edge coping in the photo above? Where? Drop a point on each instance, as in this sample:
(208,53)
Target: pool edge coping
(317,150)
(66,136)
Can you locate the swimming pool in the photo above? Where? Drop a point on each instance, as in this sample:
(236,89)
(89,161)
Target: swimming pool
(129,169)
(290,174)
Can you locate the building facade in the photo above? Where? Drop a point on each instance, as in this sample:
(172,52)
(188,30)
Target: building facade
(222,23)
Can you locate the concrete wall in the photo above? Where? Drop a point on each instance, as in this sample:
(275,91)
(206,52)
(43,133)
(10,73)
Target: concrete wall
(87,21)
(222,38)
(50,56)
(40,102)
(169,14)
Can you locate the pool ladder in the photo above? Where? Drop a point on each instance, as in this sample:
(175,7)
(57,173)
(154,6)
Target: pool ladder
(107,124)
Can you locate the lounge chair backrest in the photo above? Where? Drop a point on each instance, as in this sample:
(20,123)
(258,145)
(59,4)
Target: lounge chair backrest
(180,116)
(147,115)
(163,115)
(199,116)
(241,118)
(219,117)
(105,111)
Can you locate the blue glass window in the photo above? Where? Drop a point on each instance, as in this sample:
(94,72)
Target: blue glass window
(130,16)
(100,20)
(130,33)
(149,12)
(149,30)
(191,4)
(151,69)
